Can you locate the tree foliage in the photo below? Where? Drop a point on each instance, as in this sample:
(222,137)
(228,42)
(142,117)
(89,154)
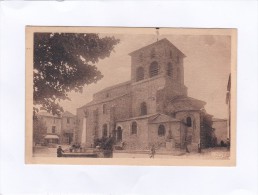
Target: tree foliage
(105,143)
(65,62)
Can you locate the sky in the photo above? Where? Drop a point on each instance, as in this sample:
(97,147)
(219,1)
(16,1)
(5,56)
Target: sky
(206,68)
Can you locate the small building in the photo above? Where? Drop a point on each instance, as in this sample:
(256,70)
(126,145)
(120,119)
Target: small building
(220,130)
(59,129)
(52,123)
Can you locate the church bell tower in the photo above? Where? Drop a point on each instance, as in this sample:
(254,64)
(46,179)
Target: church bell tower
(157,74)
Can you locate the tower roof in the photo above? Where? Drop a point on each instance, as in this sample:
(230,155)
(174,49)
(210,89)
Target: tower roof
(183,103)
(165,40)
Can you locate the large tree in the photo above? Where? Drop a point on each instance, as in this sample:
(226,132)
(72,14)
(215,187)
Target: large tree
(65,62)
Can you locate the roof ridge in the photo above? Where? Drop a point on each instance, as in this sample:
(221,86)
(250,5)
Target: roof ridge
(113,86)
(93,102)
(158,114)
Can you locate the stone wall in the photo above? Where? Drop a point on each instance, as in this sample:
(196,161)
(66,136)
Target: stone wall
(138,141)
(117,109)
(147,135)
(194,130)
(165,95)
(164,53)
(145,91)
(172,135)
(158,90)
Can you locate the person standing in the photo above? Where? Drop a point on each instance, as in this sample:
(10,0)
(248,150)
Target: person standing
(228,144)
(153,151)
(186,145)
(199,147)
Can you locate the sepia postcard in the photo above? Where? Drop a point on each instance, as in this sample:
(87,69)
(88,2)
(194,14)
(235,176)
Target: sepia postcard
(131,96)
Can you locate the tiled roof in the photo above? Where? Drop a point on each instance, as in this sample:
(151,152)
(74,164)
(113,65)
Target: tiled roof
(183,103)
(93,102)
(153,118)
(156,43)
(138,117)
(162,118)
(114,86)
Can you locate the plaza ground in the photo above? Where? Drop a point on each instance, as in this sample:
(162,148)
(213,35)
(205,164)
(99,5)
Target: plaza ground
(218,153)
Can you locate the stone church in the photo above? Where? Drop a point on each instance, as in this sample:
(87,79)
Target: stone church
(151,108)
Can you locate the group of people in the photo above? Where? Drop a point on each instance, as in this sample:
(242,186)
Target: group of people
(73,147)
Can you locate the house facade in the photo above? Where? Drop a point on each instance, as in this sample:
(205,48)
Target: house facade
(52,124)
(152,108)
(59,129)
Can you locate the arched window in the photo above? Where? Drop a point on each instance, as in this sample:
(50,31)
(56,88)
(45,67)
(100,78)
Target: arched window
(154,69)
(143,108)
(153,53)
(104,109)
(169,69)
(119,134)
(170,54)
(134,128)
(189,121)
(104,130)
(161,130)
(139,74)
